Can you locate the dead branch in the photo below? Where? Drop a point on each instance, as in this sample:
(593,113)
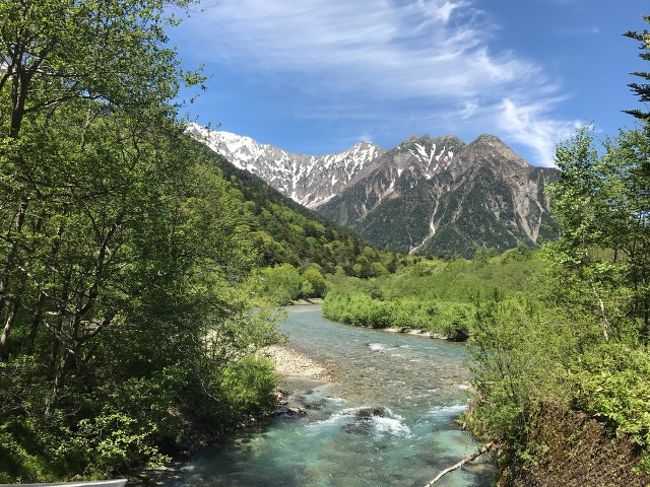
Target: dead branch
(484,449)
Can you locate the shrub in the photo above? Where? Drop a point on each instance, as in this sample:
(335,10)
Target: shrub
(314,278)
(614,384)
(452,320)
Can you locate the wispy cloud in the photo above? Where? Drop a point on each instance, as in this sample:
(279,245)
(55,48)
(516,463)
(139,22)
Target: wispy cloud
(531,125)
(432,55)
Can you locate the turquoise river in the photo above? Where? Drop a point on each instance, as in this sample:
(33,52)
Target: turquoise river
(419,385)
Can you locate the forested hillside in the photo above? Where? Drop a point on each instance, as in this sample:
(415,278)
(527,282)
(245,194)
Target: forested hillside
(284,231)
(118,231)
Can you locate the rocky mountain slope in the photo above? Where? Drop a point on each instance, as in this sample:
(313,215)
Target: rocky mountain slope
(309,180)
(443,197)
(428,195)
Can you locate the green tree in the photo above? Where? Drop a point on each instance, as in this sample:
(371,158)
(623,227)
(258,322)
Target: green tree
(602,207)
(315,278)
(377,269)
(117,232)
(482,256)
(63,53)
(280,284)
(642,90)
(114,51)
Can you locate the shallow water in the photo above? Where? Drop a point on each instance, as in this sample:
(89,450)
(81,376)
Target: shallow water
(420,385)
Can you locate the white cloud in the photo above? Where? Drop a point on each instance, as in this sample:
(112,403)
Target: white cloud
(397,50)
(530,125)
(432,55)
(469,109)
(581,31)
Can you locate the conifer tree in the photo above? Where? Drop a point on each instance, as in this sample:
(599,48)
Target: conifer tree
(642,89)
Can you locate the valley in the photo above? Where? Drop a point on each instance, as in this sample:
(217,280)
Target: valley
(183,306)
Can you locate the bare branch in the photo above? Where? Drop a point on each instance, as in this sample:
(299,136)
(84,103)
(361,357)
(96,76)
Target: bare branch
(484,449)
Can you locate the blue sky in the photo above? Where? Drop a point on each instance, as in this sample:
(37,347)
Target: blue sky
(316,76)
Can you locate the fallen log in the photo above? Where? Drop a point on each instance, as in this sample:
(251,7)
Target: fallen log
(484,449)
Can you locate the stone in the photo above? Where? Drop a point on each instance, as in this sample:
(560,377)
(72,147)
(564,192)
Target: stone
(370,412)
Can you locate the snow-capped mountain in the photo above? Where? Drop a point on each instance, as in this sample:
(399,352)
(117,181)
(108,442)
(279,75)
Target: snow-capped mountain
(442,196)
(427,195)
(309,180)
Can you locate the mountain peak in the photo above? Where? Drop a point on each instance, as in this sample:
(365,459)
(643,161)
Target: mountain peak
(450,141)
(421,139)
(489,139)
(489,145)
(426,139)
(307,179)
(364,145)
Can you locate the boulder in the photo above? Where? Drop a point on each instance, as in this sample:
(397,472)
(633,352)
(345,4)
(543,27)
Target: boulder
(367,413)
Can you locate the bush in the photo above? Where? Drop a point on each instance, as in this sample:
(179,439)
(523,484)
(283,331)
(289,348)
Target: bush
(452,320)
(279,285)
(614,384)
(247,385)
(315,281)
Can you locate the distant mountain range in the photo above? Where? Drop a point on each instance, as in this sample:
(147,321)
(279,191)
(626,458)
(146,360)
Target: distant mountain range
(436,196)
(308,180)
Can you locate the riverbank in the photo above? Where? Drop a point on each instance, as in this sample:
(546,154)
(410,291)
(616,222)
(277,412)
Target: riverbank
(296,372)
(440,319)
(415,332)
(298,302)
(290,363)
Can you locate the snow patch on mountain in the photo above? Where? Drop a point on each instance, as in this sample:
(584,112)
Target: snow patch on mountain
(309,180)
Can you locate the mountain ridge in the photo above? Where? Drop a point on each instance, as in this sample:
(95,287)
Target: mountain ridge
(307,179)
(432,195)
(483,195)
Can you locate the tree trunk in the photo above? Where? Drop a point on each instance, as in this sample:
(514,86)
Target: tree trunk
(4,281)
(36,321)
(42,296)
(9,321)
(603,313)
(11,256)
(65,297)
(58,381)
